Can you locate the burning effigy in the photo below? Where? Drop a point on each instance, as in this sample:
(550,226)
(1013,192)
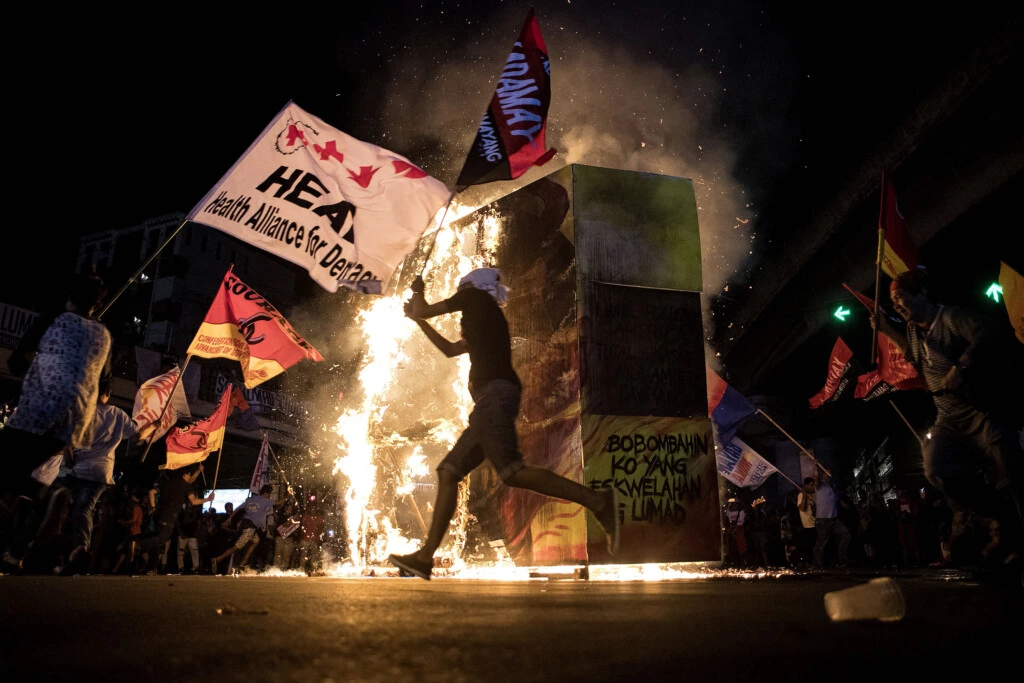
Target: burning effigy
(604,271)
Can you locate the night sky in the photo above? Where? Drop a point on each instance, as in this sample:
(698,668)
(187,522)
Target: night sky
(138,115)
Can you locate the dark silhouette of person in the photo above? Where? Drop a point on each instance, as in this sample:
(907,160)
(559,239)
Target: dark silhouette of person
(491,434)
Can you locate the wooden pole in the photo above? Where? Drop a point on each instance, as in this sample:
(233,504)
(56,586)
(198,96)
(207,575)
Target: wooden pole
(798,445)
(216,470)
(788,479)
(878,272)
(426,259)
(906,422)
(121,291)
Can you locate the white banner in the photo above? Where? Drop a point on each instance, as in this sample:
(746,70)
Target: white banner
(742,465)
(347,211)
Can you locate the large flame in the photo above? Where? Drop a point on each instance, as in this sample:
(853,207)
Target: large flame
(409,414)
(383,469)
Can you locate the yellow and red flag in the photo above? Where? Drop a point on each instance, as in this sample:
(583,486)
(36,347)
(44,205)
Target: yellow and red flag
(244,326)
(195,443)
(899,254)
(1013,295)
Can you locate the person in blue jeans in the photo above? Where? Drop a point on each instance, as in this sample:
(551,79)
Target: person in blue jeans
(495,388)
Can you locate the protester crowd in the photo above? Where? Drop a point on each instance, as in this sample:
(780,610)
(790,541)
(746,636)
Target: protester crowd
(125,517)
(902,530)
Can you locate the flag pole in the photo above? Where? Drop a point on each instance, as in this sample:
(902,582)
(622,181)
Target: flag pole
(177,380)
(906,422)
(798,445)
(279,468)
(795,485)
(878,272)
(121,291)
(409,497)
(440,224)
(216,470)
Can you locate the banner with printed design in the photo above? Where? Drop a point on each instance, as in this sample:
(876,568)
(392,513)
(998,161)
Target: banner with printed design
(241,325)
(511,135)
(194,443)
(742,465)
(345,210)
(151,398)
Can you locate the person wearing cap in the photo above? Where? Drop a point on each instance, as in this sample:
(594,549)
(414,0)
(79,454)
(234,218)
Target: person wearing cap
(950,347)
(490,434)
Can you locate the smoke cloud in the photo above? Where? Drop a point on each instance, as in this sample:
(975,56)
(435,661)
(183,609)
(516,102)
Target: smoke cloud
(682,112)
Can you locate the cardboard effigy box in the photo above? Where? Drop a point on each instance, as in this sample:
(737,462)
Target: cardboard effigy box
(604,267)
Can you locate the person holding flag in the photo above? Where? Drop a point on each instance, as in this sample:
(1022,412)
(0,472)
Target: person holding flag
(491,433)
(187,447)
(60,389)
(953,349)
(175,490)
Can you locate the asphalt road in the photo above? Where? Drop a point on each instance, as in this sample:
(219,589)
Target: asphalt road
(259,628)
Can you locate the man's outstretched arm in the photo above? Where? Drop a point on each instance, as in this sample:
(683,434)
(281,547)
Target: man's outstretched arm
(448,348)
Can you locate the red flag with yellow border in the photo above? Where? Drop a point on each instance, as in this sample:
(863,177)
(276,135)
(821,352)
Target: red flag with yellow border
(244,326)
(899,253)
(195,443)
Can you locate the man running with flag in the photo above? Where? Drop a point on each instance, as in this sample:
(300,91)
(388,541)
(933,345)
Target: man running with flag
(491,433)
(953,349)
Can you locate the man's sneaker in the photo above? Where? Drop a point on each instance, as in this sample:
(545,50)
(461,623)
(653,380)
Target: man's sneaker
(411,565)
(609,519)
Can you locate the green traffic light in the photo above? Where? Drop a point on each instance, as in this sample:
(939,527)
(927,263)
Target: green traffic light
(842,313)
(994,291)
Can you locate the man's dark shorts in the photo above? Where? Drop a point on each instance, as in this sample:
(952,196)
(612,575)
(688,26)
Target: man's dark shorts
(491,433)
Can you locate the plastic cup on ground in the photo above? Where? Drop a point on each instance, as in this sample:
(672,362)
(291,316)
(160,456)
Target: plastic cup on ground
(879,599)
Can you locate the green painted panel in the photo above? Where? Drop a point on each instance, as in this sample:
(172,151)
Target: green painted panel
(637,229)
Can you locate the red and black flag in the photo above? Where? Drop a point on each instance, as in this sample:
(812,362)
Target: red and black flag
(894,370)
(511,135)
(840,371)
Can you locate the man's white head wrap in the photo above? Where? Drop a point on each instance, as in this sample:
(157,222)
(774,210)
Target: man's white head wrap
(487,279)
